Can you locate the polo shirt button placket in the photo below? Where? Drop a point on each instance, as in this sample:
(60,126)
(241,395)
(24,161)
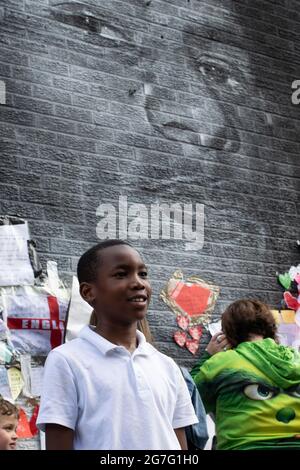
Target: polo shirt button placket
(141,384)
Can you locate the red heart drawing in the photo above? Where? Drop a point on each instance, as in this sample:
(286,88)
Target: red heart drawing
(180,338)
(182,321)
(195,332)
(192,345)
(193,299)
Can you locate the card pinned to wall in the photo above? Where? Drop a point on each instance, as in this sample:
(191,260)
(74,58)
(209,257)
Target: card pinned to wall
(25,362)
(16,268)
(5,391)
(193,298)
(36,380)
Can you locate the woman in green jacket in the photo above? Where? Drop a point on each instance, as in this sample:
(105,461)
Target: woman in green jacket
(251,383)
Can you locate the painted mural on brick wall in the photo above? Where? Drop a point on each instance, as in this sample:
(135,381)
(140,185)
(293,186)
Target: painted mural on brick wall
(167,122)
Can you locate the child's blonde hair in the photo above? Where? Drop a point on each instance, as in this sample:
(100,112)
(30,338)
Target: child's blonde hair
(8,409)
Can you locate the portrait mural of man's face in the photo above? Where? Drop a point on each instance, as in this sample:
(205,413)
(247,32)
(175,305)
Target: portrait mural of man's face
(161,101)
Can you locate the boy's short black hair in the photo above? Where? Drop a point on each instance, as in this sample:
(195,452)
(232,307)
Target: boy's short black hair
(89,262)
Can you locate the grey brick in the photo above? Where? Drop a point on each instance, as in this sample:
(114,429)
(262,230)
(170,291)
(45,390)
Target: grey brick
(36,135)
(33,76)
(49,66)
(56,125)
(39,166)
(30,104)
(73,113)
(17,117)
(76,143)
(51,94)
(28,211)
(13,57)
(41,196)
(9,192)
(61,215)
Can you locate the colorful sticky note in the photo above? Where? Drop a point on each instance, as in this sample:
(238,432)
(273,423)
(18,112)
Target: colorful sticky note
(285,280)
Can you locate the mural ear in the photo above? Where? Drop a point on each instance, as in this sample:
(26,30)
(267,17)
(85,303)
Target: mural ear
(88,292)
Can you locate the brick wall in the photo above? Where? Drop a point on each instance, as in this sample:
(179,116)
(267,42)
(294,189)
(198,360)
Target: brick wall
(160,101)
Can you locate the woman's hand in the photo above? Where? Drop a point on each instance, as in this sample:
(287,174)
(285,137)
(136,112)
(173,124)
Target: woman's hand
(218,343)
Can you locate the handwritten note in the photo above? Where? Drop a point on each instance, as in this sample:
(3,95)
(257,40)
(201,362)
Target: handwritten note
(36,378)
(15,382)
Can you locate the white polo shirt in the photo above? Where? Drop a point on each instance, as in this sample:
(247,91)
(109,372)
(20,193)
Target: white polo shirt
(112,399)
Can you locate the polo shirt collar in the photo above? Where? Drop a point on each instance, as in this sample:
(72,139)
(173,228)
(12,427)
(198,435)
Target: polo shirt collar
(105,346)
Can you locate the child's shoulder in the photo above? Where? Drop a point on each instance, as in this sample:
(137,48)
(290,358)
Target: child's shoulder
(70,348)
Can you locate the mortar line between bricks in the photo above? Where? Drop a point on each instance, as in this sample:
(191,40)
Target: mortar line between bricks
(199,253)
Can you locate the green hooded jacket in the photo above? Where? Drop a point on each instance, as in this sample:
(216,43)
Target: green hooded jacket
(254,393)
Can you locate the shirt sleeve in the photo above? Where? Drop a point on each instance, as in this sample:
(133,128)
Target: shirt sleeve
(184,414)
(59,404)
(205,356)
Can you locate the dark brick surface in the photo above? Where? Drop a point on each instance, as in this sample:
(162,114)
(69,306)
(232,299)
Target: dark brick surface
(85,122)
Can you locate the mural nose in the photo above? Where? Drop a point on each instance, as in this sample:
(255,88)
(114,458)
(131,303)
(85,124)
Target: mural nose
(285,415)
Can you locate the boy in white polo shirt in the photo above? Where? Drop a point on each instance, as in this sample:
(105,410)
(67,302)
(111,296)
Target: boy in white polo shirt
(110,389)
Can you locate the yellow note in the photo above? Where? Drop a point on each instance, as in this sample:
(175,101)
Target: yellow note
(284,316)
(15,382)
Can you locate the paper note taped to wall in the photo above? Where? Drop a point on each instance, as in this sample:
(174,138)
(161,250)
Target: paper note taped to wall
(4,384)
(288,332)
(16,268)
(215,327)
(36,318)
(36,380)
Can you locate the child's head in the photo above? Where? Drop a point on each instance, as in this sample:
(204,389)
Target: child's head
(244,318)
(8,425)
(114,281)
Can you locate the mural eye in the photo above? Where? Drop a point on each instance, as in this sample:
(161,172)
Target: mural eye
(78,20)
(86,22)
(258,392)
(294,391)
(71,14)
(214,71)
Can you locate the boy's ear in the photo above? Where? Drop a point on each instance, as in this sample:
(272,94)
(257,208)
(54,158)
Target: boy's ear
(88,292)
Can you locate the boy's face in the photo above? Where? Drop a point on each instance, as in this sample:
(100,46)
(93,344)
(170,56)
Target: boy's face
(8,436)
(122,290)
